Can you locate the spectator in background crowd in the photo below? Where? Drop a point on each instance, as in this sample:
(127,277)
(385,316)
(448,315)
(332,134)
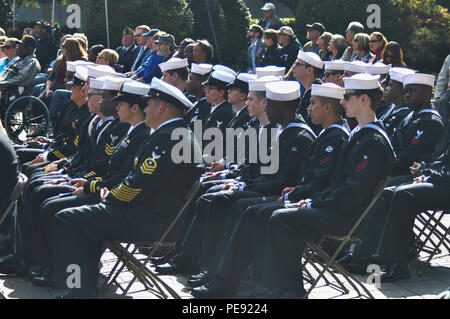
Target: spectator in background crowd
(45,50)
(180,53)
(337,46)
(271,55)
(377,42)
(393,54)
(352,29)
(256,49)
(82,39)
(270,20)
(14,33)
(107,57)
(151,59)
(290,47)
(94,52)
(8,48)
(442,94)
(323,42)
(141,42)
(313,34)
(149,36)
(361,49)
(27,31)
(127,51)
(203,52)
(189,53)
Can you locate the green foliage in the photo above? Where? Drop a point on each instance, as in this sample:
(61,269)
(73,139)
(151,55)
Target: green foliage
(166,15)
(202,28)
(237,17)
(5,14)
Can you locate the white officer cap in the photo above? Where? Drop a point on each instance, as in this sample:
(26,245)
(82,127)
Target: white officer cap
(220,67)
(241,82)
(220,79)
(397,74)
(362,81)
(418,78)
(71,65)
(113,83)
(202,68)
(311,58)
(377,68)
(336,65)
(268,6)
(330,90)
(96,70)
(259,85)
(270,70)
(80,77)
(354,66)
(283,90)
(169,93)
(173,64)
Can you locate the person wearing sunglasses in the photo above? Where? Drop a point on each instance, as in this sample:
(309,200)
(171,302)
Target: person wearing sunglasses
(393,54)
(334,72)
(8,48)
(377,42)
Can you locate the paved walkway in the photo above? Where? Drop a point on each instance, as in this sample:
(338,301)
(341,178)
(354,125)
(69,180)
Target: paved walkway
(422,285)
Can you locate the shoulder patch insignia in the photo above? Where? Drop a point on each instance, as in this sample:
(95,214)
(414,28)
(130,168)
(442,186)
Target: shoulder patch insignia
(148,166)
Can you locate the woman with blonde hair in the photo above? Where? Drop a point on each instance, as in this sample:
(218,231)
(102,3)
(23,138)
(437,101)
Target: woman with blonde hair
(107,57)
(361,48)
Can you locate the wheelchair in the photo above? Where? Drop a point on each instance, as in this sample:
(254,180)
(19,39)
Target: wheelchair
(23,115)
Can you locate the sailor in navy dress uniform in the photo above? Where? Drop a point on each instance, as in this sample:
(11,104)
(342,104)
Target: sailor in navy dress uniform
(420,132)
(141,207)
(365,166)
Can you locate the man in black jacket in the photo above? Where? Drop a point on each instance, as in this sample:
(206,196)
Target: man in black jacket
(270,20)
(45,49)
(365,166)
(128,51)
(290,47)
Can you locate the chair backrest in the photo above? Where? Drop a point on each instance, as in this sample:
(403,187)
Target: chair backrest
(21,182)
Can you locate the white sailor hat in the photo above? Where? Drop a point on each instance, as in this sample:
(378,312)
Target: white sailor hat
(220,79)
(80,77)
(397,74)
(96,70)
(270,70)
(336,65)
(311,58)
(241,82)
(362,81)
(259,85)
(113,83)
(377,68)
(71,65)
(131,92)
(169,93)
(354,66)
(220,67)
(418,78)
(97,83)
(330,90)
(202,68)
(173,64)
(283,91)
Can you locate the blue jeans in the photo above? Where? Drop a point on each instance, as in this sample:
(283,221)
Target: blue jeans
(60,97)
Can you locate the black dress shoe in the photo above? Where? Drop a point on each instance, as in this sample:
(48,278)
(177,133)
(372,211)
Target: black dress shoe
(217,288)
(44,279)
(395,272)
(354,264)
(199,275)
(199,280)
(176,268)
(162,259)
(13,265)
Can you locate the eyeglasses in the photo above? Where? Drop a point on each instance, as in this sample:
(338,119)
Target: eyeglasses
(93,94)
(348,95)
(355,40)
(7,47)
(373,41)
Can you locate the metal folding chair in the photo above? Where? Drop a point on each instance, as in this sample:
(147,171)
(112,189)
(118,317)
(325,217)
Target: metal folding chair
(125,253)
(432,235)
(314,255)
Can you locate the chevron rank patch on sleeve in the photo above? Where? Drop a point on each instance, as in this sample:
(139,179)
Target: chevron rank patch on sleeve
(124,193)
(148,166)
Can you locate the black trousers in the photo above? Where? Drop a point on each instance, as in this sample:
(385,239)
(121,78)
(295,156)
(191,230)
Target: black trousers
(407,202)
(288,231)
(80,232)
(42,245)
(26,155)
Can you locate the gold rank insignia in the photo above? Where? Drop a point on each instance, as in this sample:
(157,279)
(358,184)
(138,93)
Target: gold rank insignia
(136,161)
(148,166)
